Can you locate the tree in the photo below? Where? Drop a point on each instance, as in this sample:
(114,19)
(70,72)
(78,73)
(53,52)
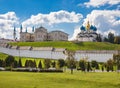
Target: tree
(88,67)
(34,63)
(26,63)
(61,63)
(9,60)
(117,40)
(116,59)
(1,62)
(105,39)
(70,60)
(99,39)
(111,37)
(47,63)
(82,64)
(110,65)
(40,64)
(53,64)
(15,64)
(94,65)
(102,68)
(19,63)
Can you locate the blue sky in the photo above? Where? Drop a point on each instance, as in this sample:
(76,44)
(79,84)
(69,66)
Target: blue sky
(64,15)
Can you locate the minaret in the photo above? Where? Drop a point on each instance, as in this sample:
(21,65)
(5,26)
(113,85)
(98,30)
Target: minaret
(88,26)
(33,29)
(21,28)
(26,29)
(14,33)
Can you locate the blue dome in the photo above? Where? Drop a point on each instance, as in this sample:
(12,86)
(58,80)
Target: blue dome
(95,29)
(82,28)
(92,27)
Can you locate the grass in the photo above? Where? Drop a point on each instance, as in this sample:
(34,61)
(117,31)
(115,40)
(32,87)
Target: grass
(72,45)
(59,80)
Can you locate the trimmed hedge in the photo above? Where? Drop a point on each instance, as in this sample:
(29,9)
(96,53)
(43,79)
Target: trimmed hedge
(36,70)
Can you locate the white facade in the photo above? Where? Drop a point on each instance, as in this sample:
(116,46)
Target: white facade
(57,35)
(41,34)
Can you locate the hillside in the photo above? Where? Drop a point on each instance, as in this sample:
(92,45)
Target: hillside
(72,45)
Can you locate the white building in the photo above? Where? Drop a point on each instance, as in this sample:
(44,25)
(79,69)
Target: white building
(87,33)
(41,34)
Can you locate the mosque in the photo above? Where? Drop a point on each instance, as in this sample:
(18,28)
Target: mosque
(41,34)
(87,33)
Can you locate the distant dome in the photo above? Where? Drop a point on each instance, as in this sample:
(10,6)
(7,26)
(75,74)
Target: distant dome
(82,28)
(92,27)
(95,29)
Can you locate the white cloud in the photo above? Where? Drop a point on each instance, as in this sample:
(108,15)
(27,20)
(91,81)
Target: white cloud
(7,21)
(76,31)
(53,18)
(105,20)
(97,3)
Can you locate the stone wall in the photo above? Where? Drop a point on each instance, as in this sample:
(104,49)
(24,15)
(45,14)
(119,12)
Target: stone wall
(56,53)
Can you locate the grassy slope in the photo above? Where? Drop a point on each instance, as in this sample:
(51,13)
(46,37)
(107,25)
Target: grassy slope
(71,45)
(59,80)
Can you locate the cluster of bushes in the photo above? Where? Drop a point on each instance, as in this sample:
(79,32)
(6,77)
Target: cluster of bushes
(44,66)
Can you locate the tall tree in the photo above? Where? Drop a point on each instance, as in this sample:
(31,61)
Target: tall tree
(47,63)
(111,37)
(19,63)
(15,64)
(116,59)
(94,65)
(1,62)
(82,64)
(26,63)
(88,67)
(105,39)
(53,64)
(40,64)
(61,63)
(110,65)
(70,60)
(99,39)
(9,60)
(117,40)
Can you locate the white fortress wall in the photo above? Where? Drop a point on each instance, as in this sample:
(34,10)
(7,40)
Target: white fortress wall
(100,56)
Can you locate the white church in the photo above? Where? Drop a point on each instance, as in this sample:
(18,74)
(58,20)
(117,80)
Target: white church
(88,33)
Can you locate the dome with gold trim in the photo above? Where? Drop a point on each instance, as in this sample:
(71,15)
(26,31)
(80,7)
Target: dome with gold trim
(88,33)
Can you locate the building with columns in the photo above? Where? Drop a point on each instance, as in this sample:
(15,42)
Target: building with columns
(41,34)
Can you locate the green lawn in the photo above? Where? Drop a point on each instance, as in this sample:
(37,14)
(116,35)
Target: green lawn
(59,80)
(71,45)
